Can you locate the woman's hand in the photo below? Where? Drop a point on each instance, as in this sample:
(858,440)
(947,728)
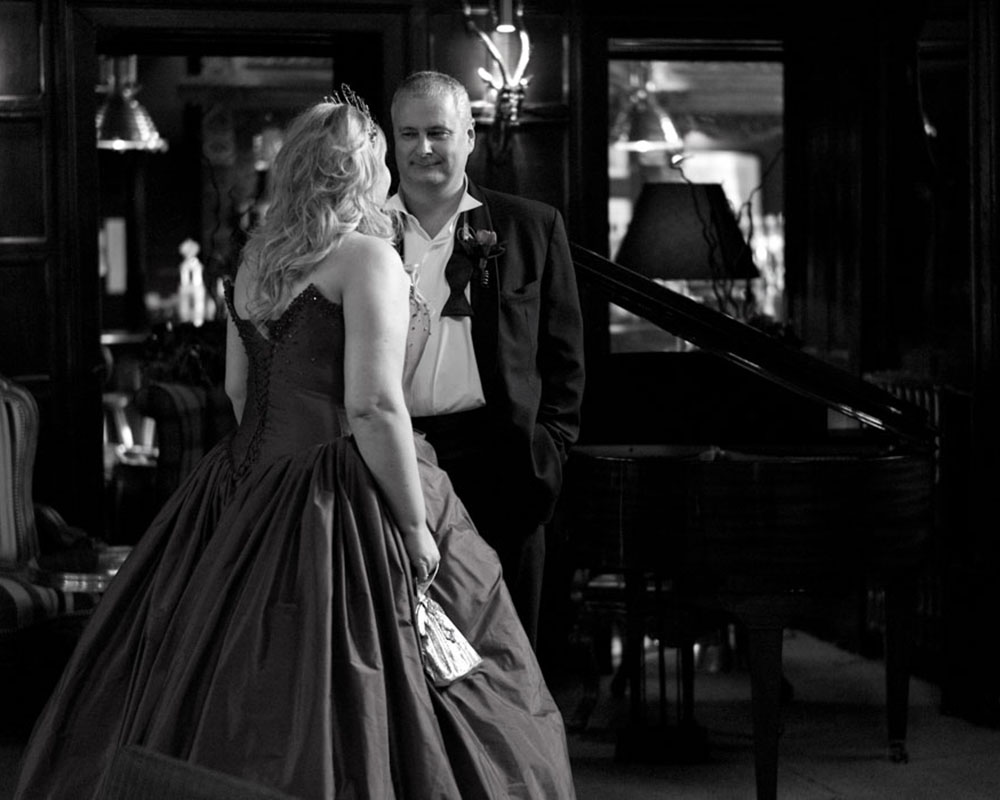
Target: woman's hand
(423,553)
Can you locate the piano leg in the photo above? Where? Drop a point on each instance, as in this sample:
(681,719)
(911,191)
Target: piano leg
(900,601)
(764,619)
(764,642)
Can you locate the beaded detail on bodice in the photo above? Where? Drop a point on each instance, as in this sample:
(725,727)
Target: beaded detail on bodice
(295,380)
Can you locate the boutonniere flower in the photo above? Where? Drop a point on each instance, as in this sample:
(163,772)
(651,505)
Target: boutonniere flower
(483,245)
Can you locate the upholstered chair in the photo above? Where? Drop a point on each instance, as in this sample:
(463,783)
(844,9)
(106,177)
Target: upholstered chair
(51,573)
(189,421)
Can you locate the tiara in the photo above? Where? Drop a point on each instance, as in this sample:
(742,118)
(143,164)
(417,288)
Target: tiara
(347,97)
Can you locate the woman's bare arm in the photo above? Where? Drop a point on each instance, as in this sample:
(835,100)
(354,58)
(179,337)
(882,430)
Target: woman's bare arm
(375,292)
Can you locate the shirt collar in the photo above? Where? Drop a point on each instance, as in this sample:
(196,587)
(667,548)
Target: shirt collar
(468,202)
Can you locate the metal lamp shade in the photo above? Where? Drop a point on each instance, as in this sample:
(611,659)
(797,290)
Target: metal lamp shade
(124,124)
(644,125)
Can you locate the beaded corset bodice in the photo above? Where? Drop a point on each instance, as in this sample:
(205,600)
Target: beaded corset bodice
(295,380)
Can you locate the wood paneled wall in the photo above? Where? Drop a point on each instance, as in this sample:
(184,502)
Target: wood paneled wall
(534,160)
(972,689)
(48,313)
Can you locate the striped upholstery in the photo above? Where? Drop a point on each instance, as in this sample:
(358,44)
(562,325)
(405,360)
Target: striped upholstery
(189,420)
(22,602)
(18,437)
(179,413)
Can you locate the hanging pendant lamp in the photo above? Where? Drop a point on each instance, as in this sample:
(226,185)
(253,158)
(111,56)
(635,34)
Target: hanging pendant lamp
(643,124)
(123,123)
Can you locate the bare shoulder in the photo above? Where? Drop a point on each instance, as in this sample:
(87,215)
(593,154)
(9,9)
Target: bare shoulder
(360,247)
(362,260)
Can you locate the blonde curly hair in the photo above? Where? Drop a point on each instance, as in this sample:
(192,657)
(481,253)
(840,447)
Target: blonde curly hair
(323,187)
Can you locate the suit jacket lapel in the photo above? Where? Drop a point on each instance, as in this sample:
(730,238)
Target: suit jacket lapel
(485,299)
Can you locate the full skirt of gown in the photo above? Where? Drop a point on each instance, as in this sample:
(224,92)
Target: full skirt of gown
(265,628)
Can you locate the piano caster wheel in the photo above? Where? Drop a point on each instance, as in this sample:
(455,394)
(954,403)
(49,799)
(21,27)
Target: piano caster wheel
(897,752)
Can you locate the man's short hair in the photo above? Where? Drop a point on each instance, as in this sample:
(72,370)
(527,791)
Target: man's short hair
(429,83)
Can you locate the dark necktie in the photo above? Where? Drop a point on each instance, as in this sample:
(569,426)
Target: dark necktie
(457,272)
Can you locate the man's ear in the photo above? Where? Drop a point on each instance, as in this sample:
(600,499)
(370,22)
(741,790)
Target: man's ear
(471,133)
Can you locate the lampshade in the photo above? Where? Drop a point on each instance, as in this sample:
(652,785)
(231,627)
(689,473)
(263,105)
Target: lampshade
(685,231)
(123,123)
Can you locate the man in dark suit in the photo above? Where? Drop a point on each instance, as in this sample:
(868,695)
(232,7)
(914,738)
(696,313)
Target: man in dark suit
(499,386)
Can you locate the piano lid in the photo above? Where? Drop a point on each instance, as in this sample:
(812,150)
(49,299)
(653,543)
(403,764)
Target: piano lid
(750,348)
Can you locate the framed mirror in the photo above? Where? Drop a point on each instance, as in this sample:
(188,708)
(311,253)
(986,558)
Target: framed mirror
(695,175)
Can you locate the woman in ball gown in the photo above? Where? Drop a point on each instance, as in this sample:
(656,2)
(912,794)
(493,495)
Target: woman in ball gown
(264,625)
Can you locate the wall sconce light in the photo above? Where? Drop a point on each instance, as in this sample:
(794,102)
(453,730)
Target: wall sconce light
(510,86)
(123,123)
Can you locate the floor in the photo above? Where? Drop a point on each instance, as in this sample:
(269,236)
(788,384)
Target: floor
(832,746)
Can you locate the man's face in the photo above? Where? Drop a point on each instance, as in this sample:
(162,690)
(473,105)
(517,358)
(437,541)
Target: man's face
(432,142)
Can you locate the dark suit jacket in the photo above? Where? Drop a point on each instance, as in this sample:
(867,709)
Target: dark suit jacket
(528,335)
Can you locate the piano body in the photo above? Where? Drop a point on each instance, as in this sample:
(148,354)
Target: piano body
(759,516)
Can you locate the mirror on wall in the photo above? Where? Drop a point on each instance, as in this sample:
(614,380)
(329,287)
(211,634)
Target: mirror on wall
(185,148)
(696,178)
(174,216)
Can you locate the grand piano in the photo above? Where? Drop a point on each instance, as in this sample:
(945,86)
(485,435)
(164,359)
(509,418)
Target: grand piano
(761,513)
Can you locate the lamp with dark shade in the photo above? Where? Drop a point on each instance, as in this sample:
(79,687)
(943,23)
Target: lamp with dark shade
(685,231)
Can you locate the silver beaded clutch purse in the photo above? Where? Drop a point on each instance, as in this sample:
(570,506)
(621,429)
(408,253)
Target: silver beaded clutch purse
(447,654)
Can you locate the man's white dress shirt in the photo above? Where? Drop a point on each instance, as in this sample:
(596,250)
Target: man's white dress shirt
(447,377)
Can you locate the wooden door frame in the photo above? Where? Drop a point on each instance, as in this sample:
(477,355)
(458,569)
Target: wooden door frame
(77,33)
